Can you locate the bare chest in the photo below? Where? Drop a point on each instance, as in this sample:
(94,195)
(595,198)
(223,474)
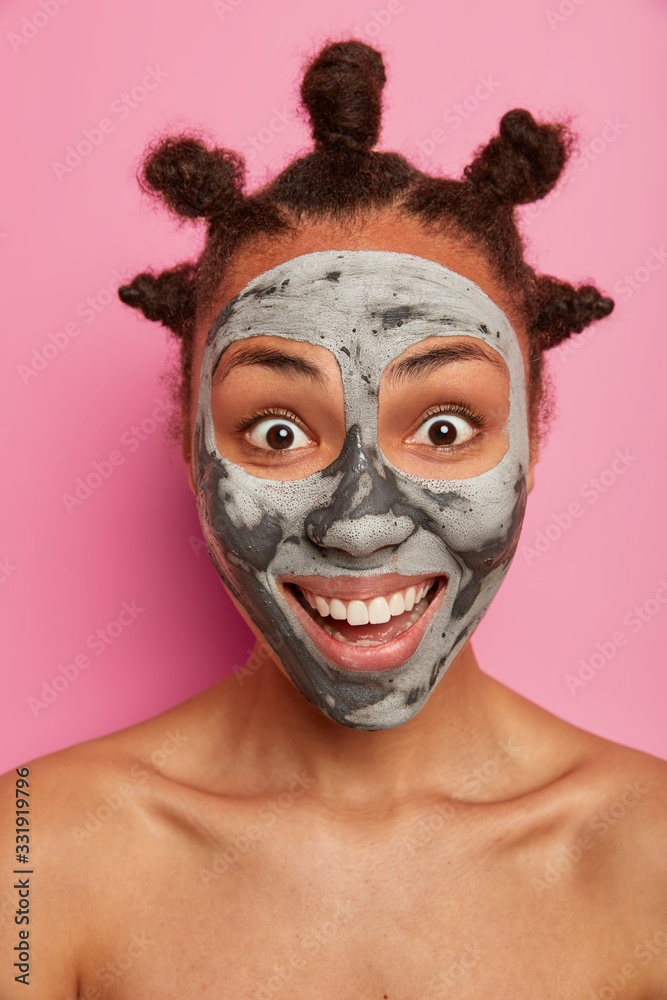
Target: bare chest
(299,916)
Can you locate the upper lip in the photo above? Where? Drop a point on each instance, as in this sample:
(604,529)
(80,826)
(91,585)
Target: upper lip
(359,588)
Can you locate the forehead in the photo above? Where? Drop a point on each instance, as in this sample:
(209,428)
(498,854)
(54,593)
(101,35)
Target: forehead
(363,305)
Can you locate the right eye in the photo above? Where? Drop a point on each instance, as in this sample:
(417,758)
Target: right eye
(445,429)
(277,434)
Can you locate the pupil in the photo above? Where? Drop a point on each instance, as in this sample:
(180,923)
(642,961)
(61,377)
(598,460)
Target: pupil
(279,436)
(442,432)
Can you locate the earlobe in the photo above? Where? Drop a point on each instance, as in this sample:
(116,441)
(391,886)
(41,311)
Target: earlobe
(534,454)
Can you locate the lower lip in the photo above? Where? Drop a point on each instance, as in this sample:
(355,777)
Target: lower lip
(388,656)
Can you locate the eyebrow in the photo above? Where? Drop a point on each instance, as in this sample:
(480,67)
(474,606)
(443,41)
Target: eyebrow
(419,365)
(272,358)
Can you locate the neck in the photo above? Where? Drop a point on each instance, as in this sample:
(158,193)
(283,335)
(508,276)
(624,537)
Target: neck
(277,733)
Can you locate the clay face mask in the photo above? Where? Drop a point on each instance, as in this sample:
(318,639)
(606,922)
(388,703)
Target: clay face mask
(362,517)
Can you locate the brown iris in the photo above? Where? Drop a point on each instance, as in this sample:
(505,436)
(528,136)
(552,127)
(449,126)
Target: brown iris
(280,436)
(442,432)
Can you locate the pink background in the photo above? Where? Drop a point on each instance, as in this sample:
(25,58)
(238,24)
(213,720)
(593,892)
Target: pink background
(232,69)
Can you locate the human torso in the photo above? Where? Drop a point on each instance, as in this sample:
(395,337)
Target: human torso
(150,883)
(257,898)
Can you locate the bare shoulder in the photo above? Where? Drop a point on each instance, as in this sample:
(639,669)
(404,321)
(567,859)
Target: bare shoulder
(591,828)
(623,794)
(617,792)
(627,789)
(81,818)
(605,817)
(625,828)
(576,771)
(37,803)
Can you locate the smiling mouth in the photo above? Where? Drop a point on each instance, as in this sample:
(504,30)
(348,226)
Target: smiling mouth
(369,631)
(371,622)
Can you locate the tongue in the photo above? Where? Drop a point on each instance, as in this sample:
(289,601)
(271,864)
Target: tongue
(379,633)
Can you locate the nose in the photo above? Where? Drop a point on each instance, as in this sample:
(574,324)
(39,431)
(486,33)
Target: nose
(360,519)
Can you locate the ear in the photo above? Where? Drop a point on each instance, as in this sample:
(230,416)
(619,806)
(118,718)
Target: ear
(532,462)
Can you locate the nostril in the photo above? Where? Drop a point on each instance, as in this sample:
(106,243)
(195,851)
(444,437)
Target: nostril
(361,536)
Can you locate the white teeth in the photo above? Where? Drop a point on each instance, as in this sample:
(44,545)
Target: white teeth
(376,610)
(357,613)
(322,606)
(338,610)
(418,610)
(397,603)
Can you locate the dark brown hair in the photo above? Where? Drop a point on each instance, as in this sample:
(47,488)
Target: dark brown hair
(343,178)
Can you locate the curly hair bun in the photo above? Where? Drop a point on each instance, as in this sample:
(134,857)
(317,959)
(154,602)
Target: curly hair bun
(562,309)
(523,162)
(194,181)
(168,298)
(342,93)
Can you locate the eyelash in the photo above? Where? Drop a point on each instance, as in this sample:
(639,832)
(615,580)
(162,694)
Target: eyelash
(460,408)
(246,422)
(254,418)
(478,419)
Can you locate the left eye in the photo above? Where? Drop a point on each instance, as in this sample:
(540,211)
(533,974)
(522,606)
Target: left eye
(277,434)
(444,429)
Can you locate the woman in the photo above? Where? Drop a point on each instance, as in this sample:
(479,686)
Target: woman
(361,811)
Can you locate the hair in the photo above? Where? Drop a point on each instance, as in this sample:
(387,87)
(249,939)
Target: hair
(344,179)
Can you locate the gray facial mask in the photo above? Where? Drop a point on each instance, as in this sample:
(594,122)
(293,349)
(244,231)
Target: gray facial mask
(362,515)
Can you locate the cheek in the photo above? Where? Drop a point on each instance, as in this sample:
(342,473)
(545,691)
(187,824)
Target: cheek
(476,516)
(248,531)
(488,523)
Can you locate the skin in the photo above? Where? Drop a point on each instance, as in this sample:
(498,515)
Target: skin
(483,849)
(454,510)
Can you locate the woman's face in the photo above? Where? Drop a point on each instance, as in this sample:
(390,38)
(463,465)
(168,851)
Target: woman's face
(383,231)
(361,457)
(462,381)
